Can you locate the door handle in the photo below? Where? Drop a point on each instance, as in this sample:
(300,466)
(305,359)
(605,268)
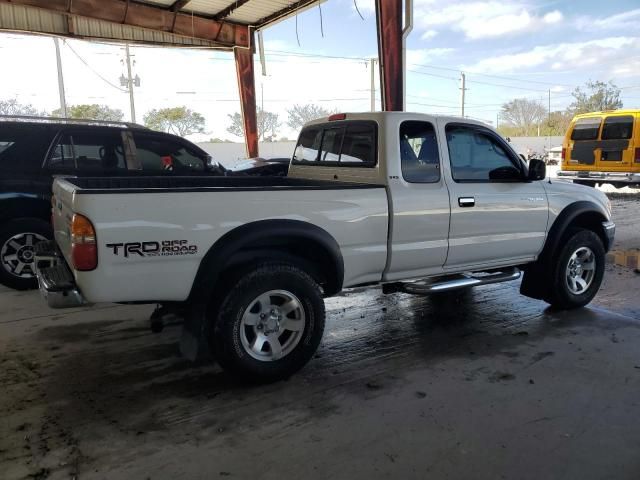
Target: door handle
(466,201)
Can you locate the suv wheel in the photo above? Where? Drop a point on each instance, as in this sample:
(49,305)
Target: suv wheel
(578,271)
(17,240)
(269,324)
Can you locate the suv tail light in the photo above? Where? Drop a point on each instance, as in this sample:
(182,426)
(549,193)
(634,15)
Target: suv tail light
(564,153)
(84,249)
(53,206)
(637,156)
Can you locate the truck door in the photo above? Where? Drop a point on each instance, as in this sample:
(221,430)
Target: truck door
(497,216)
(420,202)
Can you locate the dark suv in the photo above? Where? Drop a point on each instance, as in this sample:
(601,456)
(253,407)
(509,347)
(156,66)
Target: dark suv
(32,151)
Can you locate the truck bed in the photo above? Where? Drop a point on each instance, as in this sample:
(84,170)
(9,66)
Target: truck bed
(199,211)
(97,185)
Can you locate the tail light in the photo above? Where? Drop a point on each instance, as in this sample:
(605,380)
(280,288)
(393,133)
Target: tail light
(84,249)
(637,156)
(337,116)
(564,153)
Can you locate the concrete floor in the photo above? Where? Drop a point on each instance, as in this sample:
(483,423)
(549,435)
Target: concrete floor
(484,385)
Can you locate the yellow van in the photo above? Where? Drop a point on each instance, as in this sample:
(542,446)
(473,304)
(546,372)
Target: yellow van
(603,147)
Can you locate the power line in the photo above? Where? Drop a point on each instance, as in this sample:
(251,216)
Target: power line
(91,68)
(437,67)
(433,75)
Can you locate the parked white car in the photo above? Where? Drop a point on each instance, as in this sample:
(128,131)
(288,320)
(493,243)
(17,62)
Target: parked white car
(412,202)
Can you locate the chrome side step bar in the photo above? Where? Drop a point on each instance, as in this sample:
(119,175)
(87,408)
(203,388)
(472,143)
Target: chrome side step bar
(422,287)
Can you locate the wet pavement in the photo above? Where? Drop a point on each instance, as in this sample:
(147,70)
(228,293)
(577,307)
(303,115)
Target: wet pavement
(485,384)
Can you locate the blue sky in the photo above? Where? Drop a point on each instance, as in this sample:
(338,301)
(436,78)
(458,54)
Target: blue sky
(508,49)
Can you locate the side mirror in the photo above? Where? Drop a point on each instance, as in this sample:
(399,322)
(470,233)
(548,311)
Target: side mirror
(537,170)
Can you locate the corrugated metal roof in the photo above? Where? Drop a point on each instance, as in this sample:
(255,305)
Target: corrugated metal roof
(207,7)
(255,10)
(88,27)
(53,18)
(17,17)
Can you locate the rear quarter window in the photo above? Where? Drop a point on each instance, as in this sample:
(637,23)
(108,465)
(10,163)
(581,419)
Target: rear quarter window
(586,129)
(350,143)
(23,147)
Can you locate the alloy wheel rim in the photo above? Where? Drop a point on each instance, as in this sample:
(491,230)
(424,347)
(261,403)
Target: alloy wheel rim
(581,270)
(272,325)
(18,256)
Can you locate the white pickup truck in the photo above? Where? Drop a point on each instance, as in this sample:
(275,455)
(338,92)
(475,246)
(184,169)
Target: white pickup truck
(412,202)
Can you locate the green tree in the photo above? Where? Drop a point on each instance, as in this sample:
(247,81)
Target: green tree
(178,120)
(595,97)
(301,114)
(268,125)
(91,112)
(13,107)
(523,115)
(558,123)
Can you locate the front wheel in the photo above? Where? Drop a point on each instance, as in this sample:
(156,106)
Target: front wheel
(269,324)
(578,271)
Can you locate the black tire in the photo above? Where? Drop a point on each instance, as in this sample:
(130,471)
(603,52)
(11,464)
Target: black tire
(231,335)
(561,295)
(17,269)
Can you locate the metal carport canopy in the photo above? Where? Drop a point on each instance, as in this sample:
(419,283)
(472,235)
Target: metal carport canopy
(208,23)
(223,24)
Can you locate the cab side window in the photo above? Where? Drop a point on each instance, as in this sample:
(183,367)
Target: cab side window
(477,156)
(419,157)
(166,155)
(338,144)
(88,152)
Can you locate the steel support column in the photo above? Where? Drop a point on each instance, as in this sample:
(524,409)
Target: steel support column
(389,18)
(247,88)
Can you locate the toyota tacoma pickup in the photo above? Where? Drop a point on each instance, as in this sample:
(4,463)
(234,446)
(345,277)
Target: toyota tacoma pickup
(409,202)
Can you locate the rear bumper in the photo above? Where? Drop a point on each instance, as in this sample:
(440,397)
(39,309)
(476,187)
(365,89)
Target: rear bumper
(609,177)
(55,280)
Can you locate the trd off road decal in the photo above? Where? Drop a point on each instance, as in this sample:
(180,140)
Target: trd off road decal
(165,248)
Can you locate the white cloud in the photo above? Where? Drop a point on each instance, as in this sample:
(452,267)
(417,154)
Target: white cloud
(482,19)
(429,34)
(425,55)
(624,20)
(553,17)
(602,53)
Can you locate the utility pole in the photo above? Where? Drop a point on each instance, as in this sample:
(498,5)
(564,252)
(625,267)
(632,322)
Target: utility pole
(549,123)
(130,85)
(372,68)
(463,90)
(63,102)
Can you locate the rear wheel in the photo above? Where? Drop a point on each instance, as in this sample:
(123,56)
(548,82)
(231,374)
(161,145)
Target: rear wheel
(17,240)
(578,271)
(269,324)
